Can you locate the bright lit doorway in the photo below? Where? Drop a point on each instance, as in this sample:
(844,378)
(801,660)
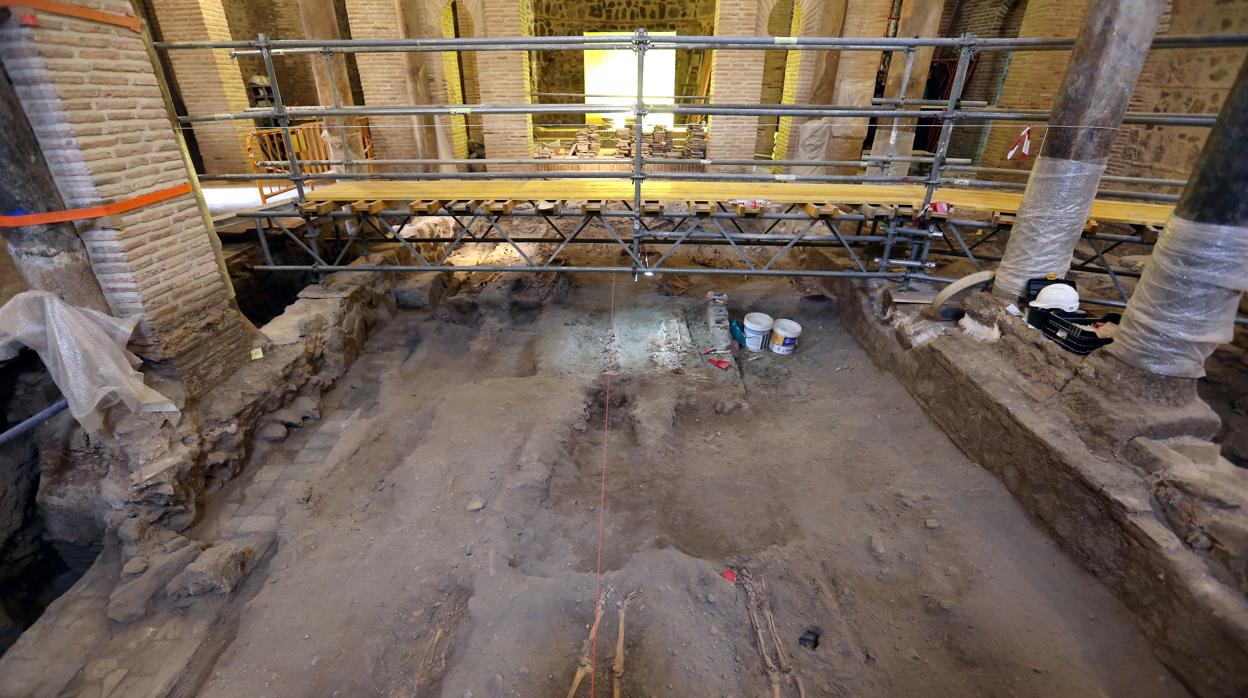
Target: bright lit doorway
(611,78)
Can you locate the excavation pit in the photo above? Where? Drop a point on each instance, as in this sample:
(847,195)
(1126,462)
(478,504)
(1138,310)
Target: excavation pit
(443,515)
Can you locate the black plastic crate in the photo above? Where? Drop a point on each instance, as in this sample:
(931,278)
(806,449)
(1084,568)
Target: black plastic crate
(1073,332)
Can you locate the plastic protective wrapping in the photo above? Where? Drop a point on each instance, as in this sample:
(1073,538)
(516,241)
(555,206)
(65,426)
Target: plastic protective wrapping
(85,352)
(1049,222)
(812,144)
(1186,300)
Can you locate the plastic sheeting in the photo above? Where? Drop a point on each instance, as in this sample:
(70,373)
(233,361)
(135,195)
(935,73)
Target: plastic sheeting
(812,144)
(1050,220)
(84,350)
(1186,300)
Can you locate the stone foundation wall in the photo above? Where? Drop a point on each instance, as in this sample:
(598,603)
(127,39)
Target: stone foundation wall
(145,467)
(1133,492)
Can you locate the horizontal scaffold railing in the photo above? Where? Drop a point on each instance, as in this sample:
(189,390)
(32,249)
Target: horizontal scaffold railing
(938,171)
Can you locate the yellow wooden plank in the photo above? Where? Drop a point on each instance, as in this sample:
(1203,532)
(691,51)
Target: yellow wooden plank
(673,190)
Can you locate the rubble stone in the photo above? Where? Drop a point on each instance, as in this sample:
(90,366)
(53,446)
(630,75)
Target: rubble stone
(218,569)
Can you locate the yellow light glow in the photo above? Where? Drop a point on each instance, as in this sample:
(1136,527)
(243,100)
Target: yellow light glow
(611,78)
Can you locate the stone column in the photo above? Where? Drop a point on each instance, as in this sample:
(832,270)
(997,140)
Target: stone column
(91,96)
(919,18)
(208,81)
(1187,298)
(1096,91)
(333,84)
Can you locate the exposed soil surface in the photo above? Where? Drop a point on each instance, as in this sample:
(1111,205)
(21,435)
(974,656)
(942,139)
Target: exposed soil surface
(449,538)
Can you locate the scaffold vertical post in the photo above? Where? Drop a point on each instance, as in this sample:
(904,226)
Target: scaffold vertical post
(279,113)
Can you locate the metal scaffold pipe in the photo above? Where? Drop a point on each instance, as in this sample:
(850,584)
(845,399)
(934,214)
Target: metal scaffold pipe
(757,43)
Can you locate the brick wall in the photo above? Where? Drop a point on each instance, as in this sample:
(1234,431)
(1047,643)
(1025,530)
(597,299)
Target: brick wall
(1176,80)
(1033,77)
(1184,80)
(984,18)
(90,93)
(280,20)
(564,71)
(208,81)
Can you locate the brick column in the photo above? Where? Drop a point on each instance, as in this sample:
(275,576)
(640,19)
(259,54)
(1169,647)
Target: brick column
(91,95)
(1034,77)
(507,81)
(855,80)
(208,81)
(736,76)
(383,77)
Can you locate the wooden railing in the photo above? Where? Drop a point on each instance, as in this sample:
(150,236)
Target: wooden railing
(265,145)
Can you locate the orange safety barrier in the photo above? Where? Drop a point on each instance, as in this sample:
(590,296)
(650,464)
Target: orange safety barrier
(265,145)
(79,214)
(78,12)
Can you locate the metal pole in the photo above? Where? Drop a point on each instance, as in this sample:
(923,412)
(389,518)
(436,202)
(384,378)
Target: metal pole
(947,120)
(641,40)
(291,46)
(283,119)
(891,148)
(33,421)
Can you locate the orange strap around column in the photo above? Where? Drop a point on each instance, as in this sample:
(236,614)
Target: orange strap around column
(78,214)
(66,10)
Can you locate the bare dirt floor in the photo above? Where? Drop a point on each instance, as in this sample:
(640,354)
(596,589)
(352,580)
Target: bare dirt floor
(441,533)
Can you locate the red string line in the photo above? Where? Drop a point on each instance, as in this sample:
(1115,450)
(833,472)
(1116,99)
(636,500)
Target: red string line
(602,488)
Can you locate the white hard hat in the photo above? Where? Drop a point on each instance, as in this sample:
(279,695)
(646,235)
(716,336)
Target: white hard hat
(1059,296)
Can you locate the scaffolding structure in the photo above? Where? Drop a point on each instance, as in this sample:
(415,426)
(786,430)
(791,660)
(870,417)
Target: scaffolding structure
(887,240)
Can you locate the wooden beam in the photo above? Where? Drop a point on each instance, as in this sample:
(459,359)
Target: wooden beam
(370,207)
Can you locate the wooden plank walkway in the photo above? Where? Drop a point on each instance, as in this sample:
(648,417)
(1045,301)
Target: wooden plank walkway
(991,201)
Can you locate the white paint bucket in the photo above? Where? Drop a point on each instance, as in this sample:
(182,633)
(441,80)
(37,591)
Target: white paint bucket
(784,336)
(757,329)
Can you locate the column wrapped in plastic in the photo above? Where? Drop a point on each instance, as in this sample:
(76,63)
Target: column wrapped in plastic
(85,352)
(1050,220)
(1185,302)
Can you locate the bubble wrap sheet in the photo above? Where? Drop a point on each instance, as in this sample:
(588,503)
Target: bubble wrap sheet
(812,144)
(1186,300)
(84,350)
(1049,222)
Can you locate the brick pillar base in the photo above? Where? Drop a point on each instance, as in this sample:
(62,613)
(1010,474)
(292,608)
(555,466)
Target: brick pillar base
(106,135)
